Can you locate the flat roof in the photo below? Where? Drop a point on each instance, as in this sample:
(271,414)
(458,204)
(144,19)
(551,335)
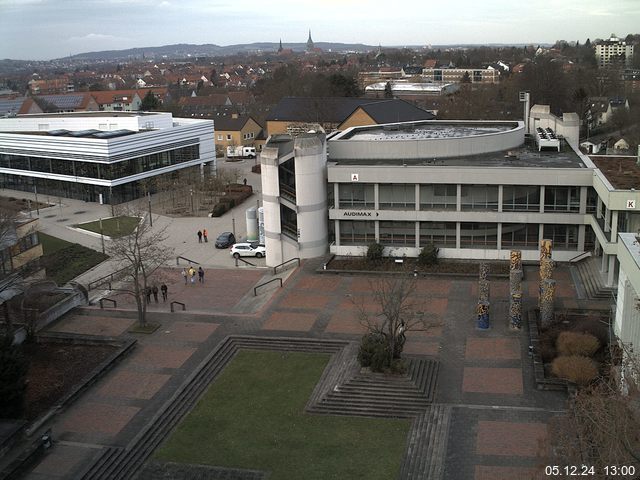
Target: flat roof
(526,155)
(426,130)
(102,113)
(623,173)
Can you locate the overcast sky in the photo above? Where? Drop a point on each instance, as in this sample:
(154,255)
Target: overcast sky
(45,29)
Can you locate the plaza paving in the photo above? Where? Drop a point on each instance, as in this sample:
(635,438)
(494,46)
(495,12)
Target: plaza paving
(499,419)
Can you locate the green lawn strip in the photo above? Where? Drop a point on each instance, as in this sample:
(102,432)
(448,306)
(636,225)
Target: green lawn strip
(112,227)
(252,417)
(64,260)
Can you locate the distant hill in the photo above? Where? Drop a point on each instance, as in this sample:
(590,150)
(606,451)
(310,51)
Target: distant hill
(211,50)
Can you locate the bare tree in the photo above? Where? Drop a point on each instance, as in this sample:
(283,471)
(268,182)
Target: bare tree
(141,253)
(11,281)
(400,311)
(602,426)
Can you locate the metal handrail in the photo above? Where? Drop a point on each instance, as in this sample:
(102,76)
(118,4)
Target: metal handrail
(243,260)
(284,263)
(106,279)
(184,258)
(179,303)
(115,304)
(580,256)
(255,289)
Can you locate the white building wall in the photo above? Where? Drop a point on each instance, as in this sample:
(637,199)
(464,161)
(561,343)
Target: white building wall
(271,204)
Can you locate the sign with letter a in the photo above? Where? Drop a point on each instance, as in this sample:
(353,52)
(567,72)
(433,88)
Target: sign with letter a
(354,177)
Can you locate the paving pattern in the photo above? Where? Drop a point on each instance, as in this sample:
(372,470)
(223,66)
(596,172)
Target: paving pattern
(484,420)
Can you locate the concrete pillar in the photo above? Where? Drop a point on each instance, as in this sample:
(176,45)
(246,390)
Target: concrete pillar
(417,242)
(376,197)
(483,283)
(377,230)
(500,197)
(499,239)
(515,311)
(541,201)
(458,235)
(607,220)
(581,237)
(336,230)
(417,197)
(599,207)
(614,226)
(583,200)
(540,232)
(336,195)
(458,198)
(604,263)
(611,277)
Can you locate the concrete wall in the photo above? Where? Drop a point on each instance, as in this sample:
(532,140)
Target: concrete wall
(271,204)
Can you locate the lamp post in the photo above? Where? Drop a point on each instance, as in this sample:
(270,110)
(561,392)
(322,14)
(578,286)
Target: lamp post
(101,235)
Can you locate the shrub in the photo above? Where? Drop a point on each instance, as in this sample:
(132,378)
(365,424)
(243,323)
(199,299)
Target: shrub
(428,255)
(399,366)
(219,209)
(13,374)
(575,343)
(373,352)
(577,369)
(547,352)
(594,326)
(374,252)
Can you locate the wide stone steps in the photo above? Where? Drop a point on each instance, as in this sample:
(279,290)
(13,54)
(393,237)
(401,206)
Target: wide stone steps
(123,464)
(591,279)
(427,445)
(378,395)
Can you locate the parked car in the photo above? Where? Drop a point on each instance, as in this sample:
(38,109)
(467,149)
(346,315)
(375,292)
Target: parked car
(225,239)
(248,250)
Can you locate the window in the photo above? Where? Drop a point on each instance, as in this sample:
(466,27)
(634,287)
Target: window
(353,232)
(438,197)
(228,137)
(564,237)
(520,198)
(520,235)
(398,233)
(479,235)
(562,199)
(356,195)
(441,234)
(220,137)
(479,197)
(398,196)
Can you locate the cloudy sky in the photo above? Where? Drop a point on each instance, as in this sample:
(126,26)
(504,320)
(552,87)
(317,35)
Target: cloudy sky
(45,29)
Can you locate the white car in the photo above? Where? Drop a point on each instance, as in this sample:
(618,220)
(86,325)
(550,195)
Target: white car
(248,250)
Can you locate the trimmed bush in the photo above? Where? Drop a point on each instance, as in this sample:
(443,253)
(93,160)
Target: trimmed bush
(428,255)
(373,352)
(596,327)
(399,366)
(575,343)
(374,252)
(219,209)
(577,369)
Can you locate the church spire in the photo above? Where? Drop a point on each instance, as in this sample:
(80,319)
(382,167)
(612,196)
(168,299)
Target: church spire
(310,45)
(280,47)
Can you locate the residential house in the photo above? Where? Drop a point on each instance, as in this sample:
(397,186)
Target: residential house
(72,102)
(235,130)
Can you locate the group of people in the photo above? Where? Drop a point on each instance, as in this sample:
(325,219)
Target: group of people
(154,291)
(190,274)
(203,234)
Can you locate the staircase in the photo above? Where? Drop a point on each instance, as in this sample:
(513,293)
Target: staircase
(427,445)
(588,273)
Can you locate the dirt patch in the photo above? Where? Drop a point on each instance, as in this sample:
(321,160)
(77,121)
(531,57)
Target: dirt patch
(54,369)
(20,204)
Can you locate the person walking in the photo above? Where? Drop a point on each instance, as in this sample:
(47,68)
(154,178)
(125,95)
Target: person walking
(147,292)
(205,235)
(184,275)
(164,289)
(200,274)
(199,236)
(154,290)
(244,181)
(192,274)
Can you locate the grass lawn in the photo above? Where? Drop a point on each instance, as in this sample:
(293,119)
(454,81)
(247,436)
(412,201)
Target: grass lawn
(65,260)
(252,417)
(112,227)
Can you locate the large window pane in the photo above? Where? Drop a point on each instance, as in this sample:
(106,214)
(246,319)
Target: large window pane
(564,237)
(398,233)
(520,235)
(353,232)
(441,234)
(356,195)
(438,197)
(562,199)
(400,196)
(479,235)
(479,197)
(520,198)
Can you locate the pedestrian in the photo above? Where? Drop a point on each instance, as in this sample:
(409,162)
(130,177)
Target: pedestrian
(164,289)
(154,290)
(184,275)
(199,236)
(205,234)
(192,274)
(244,181)
(147,292)
(200,275)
